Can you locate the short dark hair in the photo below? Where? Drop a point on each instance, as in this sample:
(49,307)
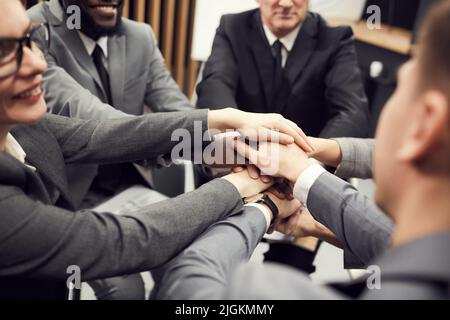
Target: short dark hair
(434,52)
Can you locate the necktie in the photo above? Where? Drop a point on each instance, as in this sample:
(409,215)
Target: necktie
(277,78)
(97,56)
(109,176)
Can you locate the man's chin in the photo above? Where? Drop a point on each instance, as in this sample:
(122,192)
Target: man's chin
(286,25)
(95,30)
(380,201)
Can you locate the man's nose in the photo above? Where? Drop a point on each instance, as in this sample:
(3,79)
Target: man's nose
(285,3)
(33,63)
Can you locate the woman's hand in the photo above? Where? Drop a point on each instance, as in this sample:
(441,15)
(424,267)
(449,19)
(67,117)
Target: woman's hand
(326,151)
(284,161)
(259,127)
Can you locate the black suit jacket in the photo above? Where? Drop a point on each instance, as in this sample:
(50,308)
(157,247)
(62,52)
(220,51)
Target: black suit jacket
(323,91)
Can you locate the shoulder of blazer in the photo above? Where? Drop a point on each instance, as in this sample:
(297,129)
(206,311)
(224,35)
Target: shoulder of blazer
(138,32)
(12,173)
(329,34)
(235,22)
(37,12)
(50,11)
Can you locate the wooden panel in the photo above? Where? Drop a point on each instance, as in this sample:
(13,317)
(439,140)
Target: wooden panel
(180,40)
(167,31)
(193,66)
(126,9)
(139,10)
(154,14)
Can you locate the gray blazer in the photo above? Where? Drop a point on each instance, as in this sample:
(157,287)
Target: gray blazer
(40,234)
(213,267)
(138,75)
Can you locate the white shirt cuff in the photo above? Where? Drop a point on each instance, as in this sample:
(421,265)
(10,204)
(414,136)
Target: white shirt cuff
(264,210)
(306,180)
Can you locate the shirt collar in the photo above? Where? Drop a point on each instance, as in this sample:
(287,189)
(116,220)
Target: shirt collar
(90,44)
(13,148)
(288,41)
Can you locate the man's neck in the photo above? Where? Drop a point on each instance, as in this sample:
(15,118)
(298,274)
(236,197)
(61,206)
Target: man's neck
(282,34)
(422,211)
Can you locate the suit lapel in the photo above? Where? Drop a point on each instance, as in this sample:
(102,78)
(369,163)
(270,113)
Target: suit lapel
(72,40)
(301,53)
(303,49)
(43,153)
(262,53)
(14,173)
(116,67)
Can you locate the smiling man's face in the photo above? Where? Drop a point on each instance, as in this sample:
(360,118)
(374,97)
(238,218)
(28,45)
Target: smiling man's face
(99,17)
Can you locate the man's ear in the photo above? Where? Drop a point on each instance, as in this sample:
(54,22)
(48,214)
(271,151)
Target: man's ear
(428,126)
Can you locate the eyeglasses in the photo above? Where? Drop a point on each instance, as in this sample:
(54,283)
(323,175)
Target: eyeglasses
(11,49)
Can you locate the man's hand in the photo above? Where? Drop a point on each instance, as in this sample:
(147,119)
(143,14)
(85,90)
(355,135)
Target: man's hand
(285,161)
(286,208)
(246,185)
(257,127)
(302,224)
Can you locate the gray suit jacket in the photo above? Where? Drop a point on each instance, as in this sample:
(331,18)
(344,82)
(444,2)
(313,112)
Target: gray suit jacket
(138,75)
(40,234)
(213,267)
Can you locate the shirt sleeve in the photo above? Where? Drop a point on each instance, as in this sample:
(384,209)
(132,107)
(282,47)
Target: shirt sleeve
(306,180)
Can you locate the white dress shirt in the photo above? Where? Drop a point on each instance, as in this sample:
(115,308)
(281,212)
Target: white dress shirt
(288,41)
(13,148)
(90,45)
(306,180)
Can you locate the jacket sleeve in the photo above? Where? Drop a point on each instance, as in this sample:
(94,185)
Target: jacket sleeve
(126,140)
(215,267)
(357,222)
(42,241)
(201,270)
(221,75)
(345,96)
(357,158)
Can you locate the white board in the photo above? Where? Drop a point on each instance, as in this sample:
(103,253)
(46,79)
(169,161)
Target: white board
(207,19)
(209,12)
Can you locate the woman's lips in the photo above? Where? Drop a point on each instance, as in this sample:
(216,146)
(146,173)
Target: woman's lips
(29,97)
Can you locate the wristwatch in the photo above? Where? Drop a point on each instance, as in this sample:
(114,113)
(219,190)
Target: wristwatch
(264,199)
